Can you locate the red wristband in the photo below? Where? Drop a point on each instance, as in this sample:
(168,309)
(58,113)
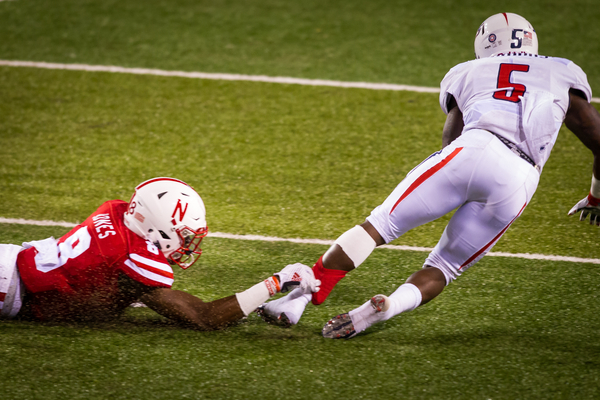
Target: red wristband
(594,202)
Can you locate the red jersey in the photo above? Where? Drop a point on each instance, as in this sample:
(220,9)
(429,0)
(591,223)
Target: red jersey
(78,274)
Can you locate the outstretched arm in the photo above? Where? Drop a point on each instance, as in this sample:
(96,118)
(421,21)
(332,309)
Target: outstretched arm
(584,121)
(189,310)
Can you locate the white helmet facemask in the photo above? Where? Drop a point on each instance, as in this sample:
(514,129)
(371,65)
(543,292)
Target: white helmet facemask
(504,33)
(170,214)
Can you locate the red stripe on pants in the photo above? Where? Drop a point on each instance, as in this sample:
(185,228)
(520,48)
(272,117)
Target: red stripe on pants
(484,248)
(426,176)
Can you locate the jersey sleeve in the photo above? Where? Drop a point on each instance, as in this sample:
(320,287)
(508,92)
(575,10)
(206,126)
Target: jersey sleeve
(581,82)
(449,85)
(149,269)
(143,261)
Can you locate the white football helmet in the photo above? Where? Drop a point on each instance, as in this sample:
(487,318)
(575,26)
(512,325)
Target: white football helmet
(170,214)
(503,33)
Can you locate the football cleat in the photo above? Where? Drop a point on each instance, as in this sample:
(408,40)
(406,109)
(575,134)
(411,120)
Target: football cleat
(380,303)
(282,320)
(339,327)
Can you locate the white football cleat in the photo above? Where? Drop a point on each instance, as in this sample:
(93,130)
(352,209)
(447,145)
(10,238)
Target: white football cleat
(380,303)
(339,327)
(342,327)
(281,320)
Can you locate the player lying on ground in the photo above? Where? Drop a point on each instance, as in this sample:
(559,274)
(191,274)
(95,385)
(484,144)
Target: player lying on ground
(122,254)
(504,111)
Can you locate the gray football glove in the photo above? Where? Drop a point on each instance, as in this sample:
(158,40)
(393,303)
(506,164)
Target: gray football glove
(588,206)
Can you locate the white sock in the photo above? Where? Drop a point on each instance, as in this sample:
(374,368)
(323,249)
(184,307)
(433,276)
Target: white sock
(292,305)
(406,298)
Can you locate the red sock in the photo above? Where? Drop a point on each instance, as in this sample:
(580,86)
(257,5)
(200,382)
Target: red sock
(328,277)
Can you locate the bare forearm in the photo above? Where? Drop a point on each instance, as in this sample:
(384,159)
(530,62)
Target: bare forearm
(584,121)
(189,310)
(222,312)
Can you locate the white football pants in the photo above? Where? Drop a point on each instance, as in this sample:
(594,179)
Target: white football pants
(478,175)
(11,287)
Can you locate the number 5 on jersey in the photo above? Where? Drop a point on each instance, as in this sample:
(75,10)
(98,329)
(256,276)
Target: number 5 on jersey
(516,90)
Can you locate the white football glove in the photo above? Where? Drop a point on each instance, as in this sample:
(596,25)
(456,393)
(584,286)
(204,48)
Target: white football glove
(298,275)
(587,207)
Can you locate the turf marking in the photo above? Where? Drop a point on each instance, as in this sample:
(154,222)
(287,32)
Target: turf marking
(268,79)
(216,76)
(227,77)
(221,235)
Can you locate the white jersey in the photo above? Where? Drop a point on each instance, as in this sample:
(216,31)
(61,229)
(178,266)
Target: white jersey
(519,96)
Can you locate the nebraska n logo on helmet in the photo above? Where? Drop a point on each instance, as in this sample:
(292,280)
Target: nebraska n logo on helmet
(170,214)
(182,211)
(504,33)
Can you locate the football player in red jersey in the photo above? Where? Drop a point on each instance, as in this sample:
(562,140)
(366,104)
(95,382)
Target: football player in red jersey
(122,254)
(504,111)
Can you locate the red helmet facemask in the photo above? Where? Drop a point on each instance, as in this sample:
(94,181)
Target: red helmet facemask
(190,250)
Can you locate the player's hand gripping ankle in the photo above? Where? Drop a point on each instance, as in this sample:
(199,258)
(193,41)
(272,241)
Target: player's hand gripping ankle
(297,275)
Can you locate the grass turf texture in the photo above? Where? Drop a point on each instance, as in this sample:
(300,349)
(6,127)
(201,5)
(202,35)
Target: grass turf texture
(286,161)
(517,329)
(509,328)
(399,41)
(269,159)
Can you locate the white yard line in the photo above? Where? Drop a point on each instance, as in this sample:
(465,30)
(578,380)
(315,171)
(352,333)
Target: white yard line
(216,76)
(322,242)
(268,79)
(226,77)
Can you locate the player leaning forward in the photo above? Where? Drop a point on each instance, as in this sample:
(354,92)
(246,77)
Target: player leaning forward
(123,253)
(504,111)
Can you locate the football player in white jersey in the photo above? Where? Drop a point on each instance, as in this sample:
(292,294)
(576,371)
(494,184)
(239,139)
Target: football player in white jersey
(504,110)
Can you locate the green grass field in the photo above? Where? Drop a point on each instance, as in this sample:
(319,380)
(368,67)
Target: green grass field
(287,161)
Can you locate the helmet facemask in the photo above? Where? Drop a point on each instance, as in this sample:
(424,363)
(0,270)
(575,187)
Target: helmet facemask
(190,250)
